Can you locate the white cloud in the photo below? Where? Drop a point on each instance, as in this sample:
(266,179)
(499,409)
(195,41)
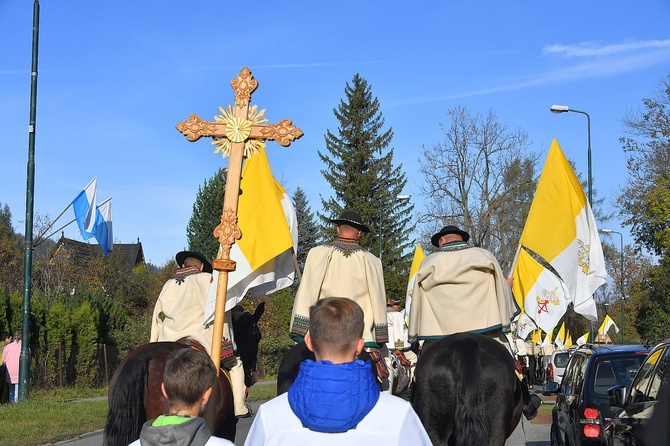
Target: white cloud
(595,49)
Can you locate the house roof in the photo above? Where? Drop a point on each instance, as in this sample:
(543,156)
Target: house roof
(82,253)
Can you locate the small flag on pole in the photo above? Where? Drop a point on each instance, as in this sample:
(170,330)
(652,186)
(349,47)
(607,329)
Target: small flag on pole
(606,325)
(84,209)
(416,263)
(103,226)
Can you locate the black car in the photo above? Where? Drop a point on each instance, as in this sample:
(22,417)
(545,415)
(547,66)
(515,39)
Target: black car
(638,403)
(582,404)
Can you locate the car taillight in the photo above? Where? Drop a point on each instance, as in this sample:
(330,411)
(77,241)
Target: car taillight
(551,371)
(591,422)
(591,431)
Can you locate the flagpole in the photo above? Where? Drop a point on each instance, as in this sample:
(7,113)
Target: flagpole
(516,258)
(55,232)
(295,263)
(38,240)
(24,357)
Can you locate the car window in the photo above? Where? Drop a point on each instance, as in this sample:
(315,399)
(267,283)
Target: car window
(561,359)
(611,371)
(659,374)
(641,386)
(573,375)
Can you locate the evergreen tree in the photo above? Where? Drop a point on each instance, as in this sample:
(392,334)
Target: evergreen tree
(308,230)
(359,168)
(206,216)
(11,256)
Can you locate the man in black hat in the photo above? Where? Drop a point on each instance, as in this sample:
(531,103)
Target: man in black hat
(342,268)
(179,310)
(462,289)
(180,313)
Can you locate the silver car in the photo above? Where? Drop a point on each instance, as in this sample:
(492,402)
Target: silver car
(557,364)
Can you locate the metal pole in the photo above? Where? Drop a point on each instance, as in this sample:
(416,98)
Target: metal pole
(623,300)
(24,359)
(589,182)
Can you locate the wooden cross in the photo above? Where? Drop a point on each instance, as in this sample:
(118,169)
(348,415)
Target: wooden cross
(238,132)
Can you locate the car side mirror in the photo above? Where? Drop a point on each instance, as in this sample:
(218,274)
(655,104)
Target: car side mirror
(550,388)
(617,396)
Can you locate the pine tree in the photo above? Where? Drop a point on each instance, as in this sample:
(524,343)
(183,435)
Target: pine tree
(308,231)
(359,168)
(206,216)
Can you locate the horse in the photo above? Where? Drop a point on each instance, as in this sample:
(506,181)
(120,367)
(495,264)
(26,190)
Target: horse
(466,391)
(135,394)
(290,365)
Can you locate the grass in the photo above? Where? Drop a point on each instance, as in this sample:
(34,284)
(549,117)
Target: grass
(43,420)
(50,416)
(262,391)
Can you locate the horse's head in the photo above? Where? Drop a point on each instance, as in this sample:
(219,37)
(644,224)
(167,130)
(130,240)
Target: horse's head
(247,338)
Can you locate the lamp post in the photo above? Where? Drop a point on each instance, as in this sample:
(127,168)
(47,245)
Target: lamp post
(623,299)
(397,198)
(589,180)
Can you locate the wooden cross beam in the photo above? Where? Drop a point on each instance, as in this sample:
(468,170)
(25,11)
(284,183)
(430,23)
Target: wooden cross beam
(237,132)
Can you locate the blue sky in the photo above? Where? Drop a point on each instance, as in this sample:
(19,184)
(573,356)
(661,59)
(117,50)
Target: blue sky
(116,77)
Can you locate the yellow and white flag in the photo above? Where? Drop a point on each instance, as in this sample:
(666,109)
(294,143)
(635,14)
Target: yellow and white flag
(545,297)
(264,252)
(561,229)
(524,325)
(568,341)
(537,336)
(583,339)
(547,339)
(559,341)
(606,325)
(416,263)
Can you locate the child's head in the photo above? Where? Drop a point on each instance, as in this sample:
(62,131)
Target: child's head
(188,375)
(335,326)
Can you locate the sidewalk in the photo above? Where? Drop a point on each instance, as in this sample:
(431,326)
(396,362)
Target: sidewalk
(529,434)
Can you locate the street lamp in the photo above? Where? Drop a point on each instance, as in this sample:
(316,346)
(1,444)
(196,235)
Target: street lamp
(565,109)
(589,180)
(397,198)
(623,300)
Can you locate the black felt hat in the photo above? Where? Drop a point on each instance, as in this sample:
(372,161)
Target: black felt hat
(181,257)
(351,218)
(449,229)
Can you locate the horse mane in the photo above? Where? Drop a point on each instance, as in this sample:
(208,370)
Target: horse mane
(126,413)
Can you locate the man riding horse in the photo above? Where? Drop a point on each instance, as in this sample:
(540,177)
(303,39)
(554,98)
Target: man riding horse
(179,314)
(462,289)
(342,268)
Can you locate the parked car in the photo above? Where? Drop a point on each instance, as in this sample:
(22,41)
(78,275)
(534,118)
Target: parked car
(557,363)
(582,404)
(638,400)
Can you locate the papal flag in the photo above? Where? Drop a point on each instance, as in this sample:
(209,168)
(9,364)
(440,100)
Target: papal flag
(568,341)
(545,297)
(583,339)
(561,229)
(559,341)
(537,337)
(606,325)
(264,253)
(547,339)
(416,263)
(524,326)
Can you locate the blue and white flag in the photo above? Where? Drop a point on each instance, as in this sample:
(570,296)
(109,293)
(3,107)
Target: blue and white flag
(85,210)
(103,226)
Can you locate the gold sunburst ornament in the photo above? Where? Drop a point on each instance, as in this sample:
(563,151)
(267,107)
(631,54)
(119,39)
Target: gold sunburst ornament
(238,129)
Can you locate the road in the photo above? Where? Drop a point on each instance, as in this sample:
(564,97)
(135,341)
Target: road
(526,434)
